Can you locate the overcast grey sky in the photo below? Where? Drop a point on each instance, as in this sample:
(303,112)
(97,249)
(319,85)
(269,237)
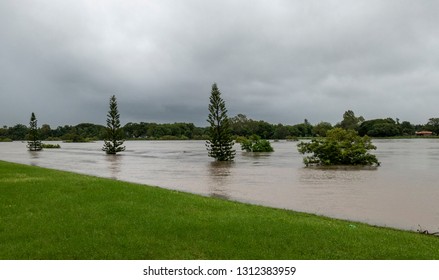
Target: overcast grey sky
(280,60)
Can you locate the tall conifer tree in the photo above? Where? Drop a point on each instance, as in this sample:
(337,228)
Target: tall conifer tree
(34,143)
(220,143)
(113,140)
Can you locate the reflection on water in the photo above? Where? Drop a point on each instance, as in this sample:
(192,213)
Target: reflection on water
(114,165)
(402,193)
(34,156)
(219,173)
(339,175)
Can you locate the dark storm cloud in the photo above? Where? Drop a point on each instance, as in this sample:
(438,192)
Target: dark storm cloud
(281,61)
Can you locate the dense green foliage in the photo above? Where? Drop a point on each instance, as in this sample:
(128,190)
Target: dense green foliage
(153,131)
(256,144)
(350,121)
(34,143)
(113,139)
(49,214)
(243,126)
(17,132)
(321,129)
(51,146)
(240,125)
(340,147)
(83,132)
(433,125)
(80,133)
(379,128)
(220,143)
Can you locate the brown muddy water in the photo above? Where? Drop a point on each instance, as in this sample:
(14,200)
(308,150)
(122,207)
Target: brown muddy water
(402,193)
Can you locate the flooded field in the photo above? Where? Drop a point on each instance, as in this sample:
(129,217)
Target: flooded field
(402,193)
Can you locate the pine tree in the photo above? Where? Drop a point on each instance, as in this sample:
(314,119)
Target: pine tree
(113,140)
(34,144)
(220,144)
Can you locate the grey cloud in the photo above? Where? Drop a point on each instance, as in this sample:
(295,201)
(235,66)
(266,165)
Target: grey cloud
(281,61)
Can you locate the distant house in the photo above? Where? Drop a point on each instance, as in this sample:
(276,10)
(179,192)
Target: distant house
(424,133)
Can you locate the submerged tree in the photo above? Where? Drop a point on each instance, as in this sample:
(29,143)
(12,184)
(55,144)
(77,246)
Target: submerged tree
(340,147)
(256,144)
(34,143)
(220,143)
(113,140)
(350,121)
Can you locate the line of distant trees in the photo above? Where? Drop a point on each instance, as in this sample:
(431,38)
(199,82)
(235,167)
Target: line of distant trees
(241,125)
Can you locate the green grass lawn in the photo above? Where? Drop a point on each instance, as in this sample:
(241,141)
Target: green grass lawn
(48,214)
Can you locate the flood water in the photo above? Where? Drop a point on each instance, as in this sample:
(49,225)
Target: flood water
(402,193)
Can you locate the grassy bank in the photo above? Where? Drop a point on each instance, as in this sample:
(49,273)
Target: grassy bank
(48,214)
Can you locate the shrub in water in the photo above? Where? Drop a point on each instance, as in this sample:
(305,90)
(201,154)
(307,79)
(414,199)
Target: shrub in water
(50,146)
(256,144)
(340,147)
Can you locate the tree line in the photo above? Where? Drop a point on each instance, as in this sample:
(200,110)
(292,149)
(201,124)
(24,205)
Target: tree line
(240,125)
(342,145)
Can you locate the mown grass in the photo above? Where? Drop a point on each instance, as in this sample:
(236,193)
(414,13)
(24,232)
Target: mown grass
(48,214)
